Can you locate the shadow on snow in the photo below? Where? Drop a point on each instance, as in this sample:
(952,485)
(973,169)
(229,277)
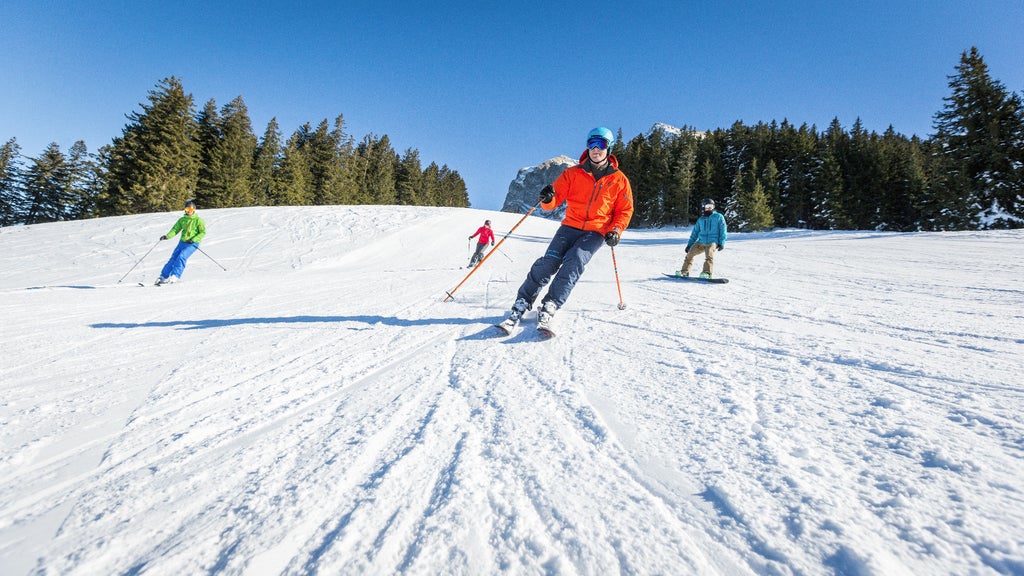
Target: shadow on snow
(220,323)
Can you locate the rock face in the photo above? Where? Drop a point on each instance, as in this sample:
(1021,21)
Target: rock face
(523,191)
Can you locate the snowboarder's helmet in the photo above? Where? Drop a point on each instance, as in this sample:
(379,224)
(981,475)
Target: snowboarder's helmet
(595,136)
(487,222)
(190,204)
(708,202)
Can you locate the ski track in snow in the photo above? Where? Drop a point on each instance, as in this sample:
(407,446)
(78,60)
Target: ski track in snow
(845,405)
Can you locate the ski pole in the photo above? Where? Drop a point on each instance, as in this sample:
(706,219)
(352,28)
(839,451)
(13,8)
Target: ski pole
(615,265)
(505,255)
(137,263)
(211,258)
(451,293)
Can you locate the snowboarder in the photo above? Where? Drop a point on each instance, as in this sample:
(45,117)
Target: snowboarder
(193,230)
(486,235)
(708,236)
(599,205)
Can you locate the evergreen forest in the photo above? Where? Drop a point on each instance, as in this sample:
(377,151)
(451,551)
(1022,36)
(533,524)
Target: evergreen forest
(170,152)
(968,175)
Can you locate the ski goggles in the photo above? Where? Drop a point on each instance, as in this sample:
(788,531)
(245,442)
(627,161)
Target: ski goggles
(190,210)
(709,206)
(596,142)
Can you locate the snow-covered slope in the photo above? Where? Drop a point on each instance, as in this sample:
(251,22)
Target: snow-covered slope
(850,403)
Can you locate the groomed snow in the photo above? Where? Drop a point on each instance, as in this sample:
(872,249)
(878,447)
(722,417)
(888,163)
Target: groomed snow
(850,403)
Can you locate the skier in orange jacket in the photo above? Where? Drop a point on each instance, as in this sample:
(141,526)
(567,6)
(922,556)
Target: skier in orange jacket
(599,206)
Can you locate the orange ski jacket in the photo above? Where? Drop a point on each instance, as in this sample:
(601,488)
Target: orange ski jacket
(593,204)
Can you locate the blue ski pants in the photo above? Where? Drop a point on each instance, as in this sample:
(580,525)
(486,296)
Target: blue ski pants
(176,265)
(567,255)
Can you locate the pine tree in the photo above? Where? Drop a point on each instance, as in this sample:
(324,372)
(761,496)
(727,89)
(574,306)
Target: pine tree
(209,192)
(266,160)
(291,180)
(827,211)
(682,174)
(981,134)
(409,180)
(154,165)
(11,198)
(798,158)
(863,178)
(452,188)
(904,181)
(770,183)
(747,209)
(45,186)
(321,150)
(233,156)
(432,194)
(378,176)
(640,164)
(345,186)
(711,180)
(82,182)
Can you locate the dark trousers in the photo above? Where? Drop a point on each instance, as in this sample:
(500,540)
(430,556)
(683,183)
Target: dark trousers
(567,255)
(478,255)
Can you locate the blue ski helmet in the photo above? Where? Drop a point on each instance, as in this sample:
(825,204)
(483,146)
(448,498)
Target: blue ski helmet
(603,133)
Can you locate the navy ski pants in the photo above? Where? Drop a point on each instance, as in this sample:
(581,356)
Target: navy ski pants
(567,255)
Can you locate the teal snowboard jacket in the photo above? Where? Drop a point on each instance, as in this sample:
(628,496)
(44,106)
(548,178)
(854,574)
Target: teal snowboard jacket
(708,230)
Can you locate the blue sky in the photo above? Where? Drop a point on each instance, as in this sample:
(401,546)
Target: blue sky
(491,87)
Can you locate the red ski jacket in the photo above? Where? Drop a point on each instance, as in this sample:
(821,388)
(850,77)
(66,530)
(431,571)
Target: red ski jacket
(486,235)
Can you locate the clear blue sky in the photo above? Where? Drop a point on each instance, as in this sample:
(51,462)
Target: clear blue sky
(491,87)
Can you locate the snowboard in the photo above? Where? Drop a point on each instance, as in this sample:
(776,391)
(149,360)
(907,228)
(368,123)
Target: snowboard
(699,279)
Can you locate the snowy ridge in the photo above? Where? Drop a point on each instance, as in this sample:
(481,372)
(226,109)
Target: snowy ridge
(850,403)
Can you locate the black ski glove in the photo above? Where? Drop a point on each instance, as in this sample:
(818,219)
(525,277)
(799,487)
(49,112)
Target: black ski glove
(547,194)
(163,237)
(721,247)
(688,248)
(612,237)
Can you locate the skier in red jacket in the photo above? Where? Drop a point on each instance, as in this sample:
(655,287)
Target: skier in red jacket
(486,236)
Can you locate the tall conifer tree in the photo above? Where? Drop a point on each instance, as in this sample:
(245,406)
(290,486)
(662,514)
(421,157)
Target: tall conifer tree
(154,164)
(209,192)
(266,161)
(291,181)
(11,197)
(46,187)
(981,133)
(233,156)
(409,179)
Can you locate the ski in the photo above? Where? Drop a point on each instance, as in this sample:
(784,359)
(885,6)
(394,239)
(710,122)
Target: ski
(506,326)
(699,279)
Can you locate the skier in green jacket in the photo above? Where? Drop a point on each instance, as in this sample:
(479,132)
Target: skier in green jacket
(193,230)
